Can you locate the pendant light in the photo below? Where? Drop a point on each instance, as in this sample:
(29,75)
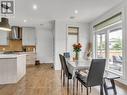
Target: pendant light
(4,24)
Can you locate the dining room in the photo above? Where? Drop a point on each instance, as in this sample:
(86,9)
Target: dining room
(63,47)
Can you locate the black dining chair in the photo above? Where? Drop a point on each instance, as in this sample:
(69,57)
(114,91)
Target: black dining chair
(95,75)
(66,71)
(66,54)
(62,69)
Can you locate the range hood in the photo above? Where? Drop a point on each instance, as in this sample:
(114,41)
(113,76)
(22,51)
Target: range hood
(16,33)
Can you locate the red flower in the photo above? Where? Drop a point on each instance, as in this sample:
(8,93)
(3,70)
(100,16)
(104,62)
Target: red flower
(77,47)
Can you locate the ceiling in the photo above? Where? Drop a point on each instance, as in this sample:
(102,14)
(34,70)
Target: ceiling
(49,10)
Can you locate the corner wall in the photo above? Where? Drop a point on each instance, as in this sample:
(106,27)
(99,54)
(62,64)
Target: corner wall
(44,44)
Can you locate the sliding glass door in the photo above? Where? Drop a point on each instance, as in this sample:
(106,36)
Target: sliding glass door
(100,45)
(115,50)
(109,45)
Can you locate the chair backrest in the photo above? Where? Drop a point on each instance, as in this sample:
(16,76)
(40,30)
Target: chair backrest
(117,59)
(66,54)
(61,61)
(96,72)
(66,71)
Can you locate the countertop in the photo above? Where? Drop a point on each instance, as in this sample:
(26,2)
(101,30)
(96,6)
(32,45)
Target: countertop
(2,56)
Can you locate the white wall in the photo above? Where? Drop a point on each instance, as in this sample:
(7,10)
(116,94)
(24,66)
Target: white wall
(52,40)
(44,46)
(61,38)
(60,42)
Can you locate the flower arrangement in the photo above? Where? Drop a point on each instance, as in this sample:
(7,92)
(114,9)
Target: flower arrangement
(77,49)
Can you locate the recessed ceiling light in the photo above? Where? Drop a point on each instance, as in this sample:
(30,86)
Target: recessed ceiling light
(25,20)
(76,11)
(35,7)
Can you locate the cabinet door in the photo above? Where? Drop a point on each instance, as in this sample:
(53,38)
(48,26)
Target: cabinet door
(29,36)
(3,37)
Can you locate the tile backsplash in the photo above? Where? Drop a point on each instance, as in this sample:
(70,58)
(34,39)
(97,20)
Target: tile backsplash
(16,45)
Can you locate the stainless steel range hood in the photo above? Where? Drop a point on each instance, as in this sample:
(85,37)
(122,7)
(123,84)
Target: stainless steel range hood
(16,33)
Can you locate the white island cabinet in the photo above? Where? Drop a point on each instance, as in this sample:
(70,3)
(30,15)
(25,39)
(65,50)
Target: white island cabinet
(12,68)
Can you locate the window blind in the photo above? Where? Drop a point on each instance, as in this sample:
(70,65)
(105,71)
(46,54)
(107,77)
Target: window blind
(73,30)
(114,19)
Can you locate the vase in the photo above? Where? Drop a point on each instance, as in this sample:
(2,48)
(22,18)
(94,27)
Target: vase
(76,55)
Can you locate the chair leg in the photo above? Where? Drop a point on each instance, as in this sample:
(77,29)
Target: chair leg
(81,88)
(77,87)
(61,74)
(87,91)
(105,88)
(90,89)
(63,79)
(101,89)
(73,86)
(67,86)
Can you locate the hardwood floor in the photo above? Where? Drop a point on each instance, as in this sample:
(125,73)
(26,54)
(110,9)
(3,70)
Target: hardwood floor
(43,80)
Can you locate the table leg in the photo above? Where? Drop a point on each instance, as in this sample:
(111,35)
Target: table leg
(113,86)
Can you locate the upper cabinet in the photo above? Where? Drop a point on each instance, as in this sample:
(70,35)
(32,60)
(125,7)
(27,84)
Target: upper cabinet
(3,37)
(28,36)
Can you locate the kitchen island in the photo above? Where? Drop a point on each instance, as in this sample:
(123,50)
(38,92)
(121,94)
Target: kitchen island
(12,68)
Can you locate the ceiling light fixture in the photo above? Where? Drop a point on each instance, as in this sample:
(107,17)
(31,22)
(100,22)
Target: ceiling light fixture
(76,11)
(4,24)
(35,7)
(25,20)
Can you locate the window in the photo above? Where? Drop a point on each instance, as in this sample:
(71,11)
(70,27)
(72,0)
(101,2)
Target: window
(108,43)
(115,50)
(100,46)
(72,38)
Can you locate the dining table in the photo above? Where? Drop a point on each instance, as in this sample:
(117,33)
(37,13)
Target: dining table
(76,65)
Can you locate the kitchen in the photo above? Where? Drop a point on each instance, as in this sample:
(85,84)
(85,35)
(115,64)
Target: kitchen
(17,50)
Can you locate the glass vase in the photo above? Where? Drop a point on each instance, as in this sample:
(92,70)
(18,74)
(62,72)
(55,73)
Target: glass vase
(76,55)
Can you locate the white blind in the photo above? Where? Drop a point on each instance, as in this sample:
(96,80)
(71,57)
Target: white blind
(114,19)
(73,30)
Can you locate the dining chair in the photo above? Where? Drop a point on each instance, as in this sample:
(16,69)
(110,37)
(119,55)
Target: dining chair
(62,69)
(66,54)
(66,71)
(94,76)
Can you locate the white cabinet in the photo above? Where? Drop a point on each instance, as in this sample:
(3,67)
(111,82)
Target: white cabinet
(28,36)
(12,68)
(30,58)
(3,37)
